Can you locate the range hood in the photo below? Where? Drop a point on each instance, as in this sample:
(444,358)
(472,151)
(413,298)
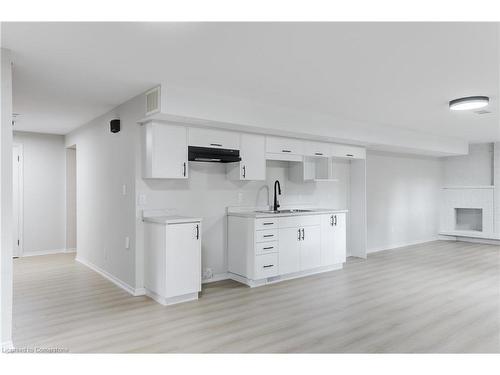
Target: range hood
(214,155)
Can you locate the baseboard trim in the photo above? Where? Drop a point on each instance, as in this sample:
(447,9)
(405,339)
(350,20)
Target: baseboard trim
(7,345)
(115,280)
(216,277)
(47,252)
(470,239)
(171,300)
(404,244)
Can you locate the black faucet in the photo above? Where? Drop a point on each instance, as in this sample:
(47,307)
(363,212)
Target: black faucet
(276,204)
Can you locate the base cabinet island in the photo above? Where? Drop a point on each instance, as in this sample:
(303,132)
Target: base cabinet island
(266,247)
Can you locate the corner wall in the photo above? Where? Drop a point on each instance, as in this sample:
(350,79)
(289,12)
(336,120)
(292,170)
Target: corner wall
(403,195)
(106,192)
(6,214)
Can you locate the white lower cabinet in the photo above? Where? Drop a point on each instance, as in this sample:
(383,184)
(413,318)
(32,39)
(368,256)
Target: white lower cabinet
(333,238)
(292,246)
(172,261)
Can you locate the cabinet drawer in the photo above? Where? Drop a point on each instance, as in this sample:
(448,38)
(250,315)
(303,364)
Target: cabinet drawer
(201,137)
(284,145)
(351,152)
(271,223)
(266,247)
(317,149)
(266,266)
(299,221)
(266,235)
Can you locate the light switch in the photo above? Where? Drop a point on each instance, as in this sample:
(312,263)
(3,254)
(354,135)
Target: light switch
(127,242)
(142,199)
(124,189)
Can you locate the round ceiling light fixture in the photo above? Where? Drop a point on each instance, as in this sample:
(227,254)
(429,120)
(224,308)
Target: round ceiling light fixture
(469,102)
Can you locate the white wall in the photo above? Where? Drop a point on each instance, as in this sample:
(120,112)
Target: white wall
(403,195)
(106,162)
(207,193)
(70,199)
(44,196)
(6,213)
(473,169)
(496,180)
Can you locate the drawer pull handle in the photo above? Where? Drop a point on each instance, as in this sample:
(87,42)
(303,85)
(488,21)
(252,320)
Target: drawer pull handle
(350,155)
(286,151)
(269,265)
(318,153)
(268,248)
(216,144)
(267,223)
(268,235)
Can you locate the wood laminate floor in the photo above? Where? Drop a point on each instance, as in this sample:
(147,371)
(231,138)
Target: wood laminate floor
(435,297)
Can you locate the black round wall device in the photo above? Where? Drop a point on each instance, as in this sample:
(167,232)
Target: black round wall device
(114,125)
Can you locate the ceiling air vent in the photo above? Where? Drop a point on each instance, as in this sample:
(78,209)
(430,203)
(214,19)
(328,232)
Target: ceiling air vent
(153,98)
(481,112)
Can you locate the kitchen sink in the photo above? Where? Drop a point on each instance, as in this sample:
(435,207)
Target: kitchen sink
(284,211)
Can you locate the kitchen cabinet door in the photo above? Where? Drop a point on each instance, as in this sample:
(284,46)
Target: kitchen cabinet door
(281,145)
(252,166)
(310,248)
(165,151)
(327,240)
(205,137)
(349,152)
(339,238)
(317,149)
(289,253)
(183,259)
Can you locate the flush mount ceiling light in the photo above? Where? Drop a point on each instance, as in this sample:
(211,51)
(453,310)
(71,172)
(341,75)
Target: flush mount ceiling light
(469,102)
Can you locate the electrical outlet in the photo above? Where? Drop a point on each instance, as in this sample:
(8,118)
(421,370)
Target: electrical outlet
(208,274)
(142,199)
(127,243)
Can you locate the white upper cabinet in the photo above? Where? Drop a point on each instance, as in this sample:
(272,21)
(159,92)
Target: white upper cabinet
(203,137)
(280,145)
(252,166)
(318,149)
(165,151)
(351,152)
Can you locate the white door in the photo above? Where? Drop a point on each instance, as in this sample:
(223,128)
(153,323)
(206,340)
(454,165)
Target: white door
(327,240)
(17,194)
(289,243)
(310,248)
(253,157)
(183,258)
(339,238)
(169,151)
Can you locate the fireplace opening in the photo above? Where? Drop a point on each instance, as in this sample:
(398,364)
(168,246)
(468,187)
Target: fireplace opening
(470,219)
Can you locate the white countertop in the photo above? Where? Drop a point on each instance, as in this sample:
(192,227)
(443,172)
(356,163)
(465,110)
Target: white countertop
(316,211)
(172,219)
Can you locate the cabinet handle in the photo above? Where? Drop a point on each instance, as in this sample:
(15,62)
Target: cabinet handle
(318,153)
(267,223)
(197,232)
(184,172)
(299,234)
(350,155)
(268,265)
(216,144)
(331,220)
(335,220)
(268,248)
(244,171)
(268,235)
(286,151)
(303,234)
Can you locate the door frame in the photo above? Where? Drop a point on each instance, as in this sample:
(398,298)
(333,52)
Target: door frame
(18,252)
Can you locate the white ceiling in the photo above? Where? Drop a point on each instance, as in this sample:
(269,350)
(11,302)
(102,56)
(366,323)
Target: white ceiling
(400,74)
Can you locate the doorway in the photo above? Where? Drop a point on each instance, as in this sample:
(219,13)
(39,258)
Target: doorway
(17,196)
